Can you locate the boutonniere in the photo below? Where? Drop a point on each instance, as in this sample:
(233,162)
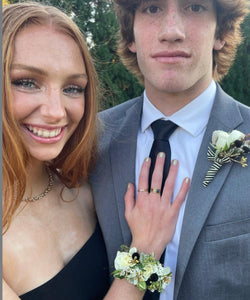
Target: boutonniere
(226,148)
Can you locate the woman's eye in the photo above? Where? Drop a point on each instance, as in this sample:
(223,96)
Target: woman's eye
(73,90)
(152,9)
(25,83)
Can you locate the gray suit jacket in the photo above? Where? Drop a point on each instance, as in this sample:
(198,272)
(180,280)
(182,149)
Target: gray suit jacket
(214,250)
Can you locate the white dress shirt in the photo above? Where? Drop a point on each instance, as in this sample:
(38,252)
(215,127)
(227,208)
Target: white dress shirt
(185,143)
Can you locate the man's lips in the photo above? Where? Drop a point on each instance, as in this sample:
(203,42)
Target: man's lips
(171,56)
(176,53)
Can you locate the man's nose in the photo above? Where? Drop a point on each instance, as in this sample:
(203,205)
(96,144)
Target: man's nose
(172,27)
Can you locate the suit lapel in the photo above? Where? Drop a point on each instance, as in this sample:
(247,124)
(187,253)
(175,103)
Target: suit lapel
(224,116)
(122,156)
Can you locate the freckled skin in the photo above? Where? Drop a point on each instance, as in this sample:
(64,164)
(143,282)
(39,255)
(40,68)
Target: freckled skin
(48,78)
(171,27)
(49,59)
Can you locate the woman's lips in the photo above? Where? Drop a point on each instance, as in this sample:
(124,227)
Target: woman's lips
(45,135)
(41,132)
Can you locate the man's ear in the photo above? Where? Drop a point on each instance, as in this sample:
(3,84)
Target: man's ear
(218,44)
(132,47)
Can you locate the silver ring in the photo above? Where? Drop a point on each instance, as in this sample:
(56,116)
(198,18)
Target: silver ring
(156,191)
(142,190)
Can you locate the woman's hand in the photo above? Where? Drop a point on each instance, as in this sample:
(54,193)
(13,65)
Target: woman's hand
(152,218)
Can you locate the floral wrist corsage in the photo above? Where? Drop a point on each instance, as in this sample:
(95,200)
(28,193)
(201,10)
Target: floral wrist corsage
(142,270)
(227,147)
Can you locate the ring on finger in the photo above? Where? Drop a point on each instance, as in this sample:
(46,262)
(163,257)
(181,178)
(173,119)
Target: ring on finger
(156,191)
(142,190)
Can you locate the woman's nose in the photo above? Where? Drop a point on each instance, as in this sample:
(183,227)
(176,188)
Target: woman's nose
(53,108)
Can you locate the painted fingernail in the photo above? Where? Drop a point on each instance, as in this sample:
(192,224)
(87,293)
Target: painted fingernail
(175,162)
(187,180)
(128,186)
(147,159)
(161,154)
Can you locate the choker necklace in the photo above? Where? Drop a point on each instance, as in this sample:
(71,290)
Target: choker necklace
(45,192)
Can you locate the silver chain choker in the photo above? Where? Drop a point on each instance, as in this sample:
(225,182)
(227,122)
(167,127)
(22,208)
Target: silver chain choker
(45,192)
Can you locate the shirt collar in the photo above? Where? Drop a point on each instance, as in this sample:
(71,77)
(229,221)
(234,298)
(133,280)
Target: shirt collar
(193,117)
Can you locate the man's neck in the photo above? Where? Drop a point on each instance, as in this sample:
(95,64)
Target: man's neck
(169,103)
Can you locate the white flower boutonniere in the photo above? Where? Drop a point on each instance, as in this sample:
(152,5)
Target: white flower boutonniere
(226,148)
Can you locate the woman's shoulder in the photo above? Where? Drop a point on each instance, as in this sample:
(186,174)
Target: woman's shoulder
(80,196)
(85,195)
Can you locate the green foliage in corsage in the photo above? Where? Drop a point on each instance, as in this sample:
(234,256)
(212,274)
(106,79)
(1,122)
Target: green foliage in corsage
(142,270)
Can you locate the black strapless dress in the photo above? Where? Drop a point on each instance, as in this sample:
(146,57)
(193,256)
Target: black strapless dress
(85,277)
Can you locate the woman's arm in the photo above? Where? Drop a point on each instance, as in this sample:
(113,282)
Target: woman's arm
(152,219)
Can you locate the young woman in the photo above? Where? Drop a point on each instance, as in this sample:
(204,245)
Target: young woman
(52,244)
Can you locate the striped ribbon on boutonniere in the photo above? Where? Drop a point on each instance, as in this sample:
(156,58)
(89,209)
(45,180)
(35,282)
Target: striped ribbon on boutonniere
(226,148)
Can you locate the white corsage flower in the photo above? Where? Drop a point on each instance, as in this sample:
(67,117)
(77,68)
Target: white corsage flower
(133,276)
(148,270)
(123,260)
(132,251)
(163,271)
(142,270)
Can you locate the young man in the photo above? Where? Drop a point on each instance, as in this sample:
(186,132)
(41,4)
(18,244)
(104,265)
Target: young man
(178,49)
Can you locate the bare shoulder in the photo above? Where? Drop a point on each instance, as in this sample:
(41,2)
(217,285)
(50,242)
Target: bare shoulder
(85,196)
(81,195)
(81,198)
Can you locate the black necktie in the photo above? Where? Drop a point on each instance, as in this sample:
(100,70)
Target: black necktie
(162,131)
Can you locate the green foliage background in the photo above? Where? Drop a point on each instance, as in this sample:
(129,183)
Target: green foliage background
(237,81)
(97,21)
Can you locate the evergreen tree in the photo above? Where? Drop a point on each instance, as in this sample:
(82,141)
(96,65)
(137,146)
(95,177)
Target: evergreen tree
(117,83)
(237,82)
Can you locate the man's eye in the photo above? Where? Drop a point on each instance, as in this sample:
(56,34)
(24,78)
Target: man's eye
(73,90)
(152,9)
(25,83)
(196,8)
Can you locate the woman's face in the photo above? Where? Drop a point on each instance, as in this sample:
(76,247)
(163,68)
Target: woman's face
(48,79)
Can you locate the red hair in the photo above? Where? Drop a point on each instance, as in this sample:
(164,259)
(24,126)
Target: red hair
(79,154)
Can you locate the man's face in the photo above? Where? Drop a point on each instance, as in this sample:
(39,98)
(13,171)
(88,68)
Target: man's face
(174,42)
